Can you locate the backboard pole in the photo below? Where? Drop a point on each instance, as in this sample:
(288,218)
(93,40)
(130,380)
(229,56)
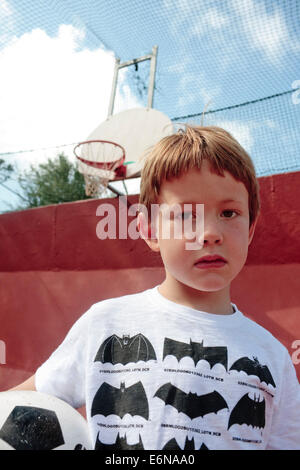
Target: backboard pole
(113,88)
(152,76)
(153,58)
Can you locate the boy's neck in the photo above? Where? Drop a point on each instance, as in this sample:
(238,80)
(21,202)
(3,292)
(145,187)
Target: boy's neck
(217,303)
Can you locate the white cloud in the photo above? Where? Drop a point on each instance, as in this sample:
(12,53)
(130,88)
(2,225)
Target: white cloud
(125,99)
(205,93)
(266,31)
(212,19)
(6,21)
(5,10)
(181,66)
(53,91)
(241,131)
(197,20)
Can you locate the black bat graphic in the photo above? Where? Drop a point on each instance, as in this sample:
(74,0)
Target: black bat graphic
(116,350)
(110,400)
(253,367)
(248,411)
(191,404)
(212,354)
(188,445)
(120,444)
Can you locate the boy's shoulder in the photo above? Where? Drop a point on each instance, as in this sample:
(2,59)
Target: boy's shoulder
(111,311)
(138,302)
(262,334)
(120,302)
(120,299)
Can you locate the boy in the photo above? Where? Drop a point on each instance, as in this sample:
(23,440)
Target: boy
(179,366)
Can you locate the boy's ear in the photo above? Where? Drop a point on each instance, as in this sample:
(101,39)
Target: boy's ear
(147,231)
(252,230)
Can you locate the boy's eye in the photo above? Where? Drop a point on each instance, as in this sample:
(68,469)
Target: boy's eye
(229,213)
(186,215)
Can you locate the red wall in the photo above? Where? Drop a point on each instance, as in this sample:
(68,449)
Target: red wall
(53,267)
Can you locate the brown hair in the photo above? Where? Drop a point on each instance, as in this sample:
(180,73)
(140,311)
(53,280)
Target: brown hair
(186,149)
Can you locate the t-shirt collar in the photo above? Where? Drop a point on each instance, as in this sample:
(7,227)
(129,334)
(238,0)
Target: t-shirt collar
(177,309)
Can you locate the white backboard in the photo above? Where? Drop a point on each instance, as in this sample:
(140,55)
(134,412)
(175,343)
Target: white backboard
(137,130)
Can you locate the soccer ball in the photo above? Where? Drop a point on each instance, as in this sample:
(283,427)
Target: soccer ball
(36,421)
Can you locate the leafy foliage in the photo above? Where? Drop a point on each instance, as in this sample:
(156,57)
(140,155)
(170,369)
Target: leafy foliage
(53,182)
(6,170)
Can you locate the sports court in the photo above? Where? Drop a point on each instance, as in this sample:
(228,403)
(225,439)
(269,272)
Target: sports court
(229,64)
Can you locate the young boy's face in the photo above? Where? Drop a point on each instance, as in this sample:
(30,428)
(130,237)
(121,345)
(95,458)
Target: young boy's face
(226,229)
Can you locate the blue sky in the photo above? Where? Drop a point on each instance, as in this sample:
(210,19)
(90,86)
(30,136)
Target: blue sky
(57,57)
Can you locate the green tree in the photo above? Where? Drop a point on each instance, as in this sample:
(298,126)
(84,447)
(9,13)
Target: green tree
(53,182)
(6,170)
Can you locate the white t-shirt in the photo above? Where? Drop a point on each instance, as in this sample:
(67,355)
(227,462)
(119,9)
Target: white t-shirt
(154,374)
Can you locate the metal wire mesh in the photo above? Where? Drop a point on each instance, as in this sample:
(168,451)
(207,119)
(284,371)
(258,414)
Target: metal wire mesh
(232,54)
(268,129)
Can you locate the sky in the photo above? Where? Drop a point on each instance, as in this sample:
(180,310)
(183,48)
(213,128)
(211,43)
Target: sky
(57,59)
(41,106)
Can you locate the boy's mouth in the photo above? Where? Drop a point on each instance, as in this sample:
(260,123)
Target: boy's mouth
(210,261)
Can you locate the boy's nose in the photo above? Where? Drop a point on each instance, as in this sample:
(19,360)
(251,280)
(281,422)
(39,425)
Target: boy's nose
(210,235)
(211,240)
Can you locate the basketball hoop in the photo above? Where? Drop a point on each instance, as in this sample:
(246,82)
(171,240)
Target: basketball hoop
(100,161)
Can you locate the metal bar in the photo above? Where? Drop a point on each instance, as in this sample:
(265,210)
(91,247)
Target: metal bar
(153,58)
(115,191)
(152,76)
(113,88)
(135,61)
(125,187)
(118,193)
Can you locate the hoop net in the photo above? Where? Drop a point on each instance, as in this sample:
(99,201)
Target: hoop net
(100,161)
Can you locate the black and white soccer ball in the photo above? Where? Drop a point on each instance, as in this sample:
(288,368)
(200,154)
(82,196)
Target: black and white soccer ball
(36,421)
